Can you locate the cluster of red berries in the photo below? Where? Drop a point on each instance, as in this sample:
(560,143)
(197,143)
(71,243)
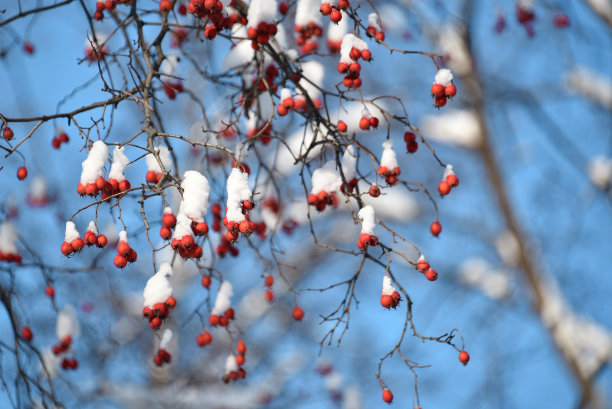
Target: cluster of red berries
(26,333)
(374,190)
(424,267)
(285,106)
(447,184)
(373,32)
(186,246)
(69,363)
(58,140)
(322,199)
(213,11)
(240,353)
(153,176)
(223,319)
(106,187)
(75,246)
(93,54)
(7,133)
(366,240)
(101,6)
(162,357)
(168,223)
(125,254)
(387,396)
(435,228)
(392,300)
(22,173)
(245,227)
(334,11)
(157,313)
(389,175)
(350,186)
(366,122)
(269,282)
(305,35)
(261,34)
(267,82)
(179,35)
(10,257)
(173,88)
(263,133)
(226,246)
(440,93)
(353,70)
(204,338)
(411,143)
(62,347)
(92,238)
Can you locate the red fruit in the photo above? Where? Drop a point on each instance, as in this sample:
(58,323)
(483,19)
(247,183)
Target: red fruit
(245,227)
(120,261)
(374,191)
(26,333)
(431,274)
(216,209)
(7,133)
(439,102)
(342,127)
(200,229)
(124,185)
(165,233)
(452,180)
(283,8)
(66,249)
(374,122)
(155,322)
(464,357)
(269,281)
(383,170)
(123,248)
(437,90)
(335,16)
(325,9)
(213,320)
(151,177)
(412,146)
(100,183)
(101,241)
(132,256)
(450,90)
(241,348)
(561,21)
(22,173)
(409,137)
(206,281)
(165,6)
(435,228)
(28,47)
(98,15)
(387,396)
(396,297)
(158,360)
(230,313)
(366,55)
(55,142)
(380,36)
(354,54)
(204,338)
(91,189)
(343,4)
(298,313)
(422,266)
(77,244)
(146,312)
(343,67)
(49,291)
(195,251)
(444,188)
(364,123)
(240,359)
(386,301)
(223,321)
(391,180)
(282,110)
(269,295)
(182,9)
(171,302)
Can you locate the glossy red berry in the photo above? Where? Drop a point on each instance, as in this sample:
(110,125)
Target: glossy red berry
(269,281)
(206,281)
(431,274)
(464,357)
(241,347)
(374,191)
(26,333)
(450,90)
(120,261)
(22,173)
(335,16)
(435,228)
(386,301)
(49,291)
(364,123)
(444,188)
(101,241)
(437,90)
(165,6)
(204,338)
(452,180)
(387,396)
(7,133)
(298,313)
(342,127)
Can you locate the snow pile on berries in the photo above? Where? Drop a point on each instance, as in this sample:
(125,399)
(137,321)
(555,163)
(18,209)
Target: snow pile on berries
(261,11)
(230,364)
(38,190)
(457,127)
(238,190)
(8,238)
(158,288)
(223,302)
(350,41)
(196,190)
(368,220)
(452,44)
(170,64)
(71,232)
(444,77)
(591,84)
(313,73)
(600,171)
(164,157)
(67,324)
(120,162)
(337,31)
(307,11)
(480,273)
(589,344)
(387,286)
(388,158)
(93,165)
(326,179)
(165,339)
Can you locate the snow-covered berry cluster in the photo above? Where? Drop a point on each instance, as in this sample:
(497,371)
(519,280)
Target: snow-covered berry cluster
(352,49)
(424,268)
(93,52)
(158,299)
(389,168)
(287,103)
(232,369)
(67,328)
(307,26)
(8,243)
(190,219)
(239,203)
(443,87)
(168,224)
(449,181)
(367,120)
(73,243)
(155,172)
(336,32)
(525,15)
(91,177)
(101,6)
(375,28)
(211,11)
(324,184)
(390,297)
(125,253)
(368,222)
(411,143)
(163,356)
(260,22)
(226,246)
(92,237)
(333,9)
(60,138)
(222,311)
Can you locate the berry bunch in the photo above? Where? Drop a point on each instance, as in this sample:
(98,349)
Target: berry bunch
(125,254)
(204,338)
(332,9)
(92,237)
(261,34)
(168,223)
(443,87)
(162,357)
(63,347)
(211,10)
(287,102)
(61,137)
(411,143)
(158,312)
(226,246)
(322,199)
(305,34)
(366,240)
(173,88)
(449,181)
(222,319)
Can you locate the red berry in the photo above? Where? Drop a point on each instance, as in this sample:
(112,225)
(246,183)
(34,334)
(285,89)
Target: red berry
(431,274)
(101,241)
(450,90)
(387,396)
(386,301)
(240,359)
(200,229)
(380,36)
(464,357)
(335,16)
(22,173)
(241,347)
(343,4)
(354,54)
(409,137)
(120,261)
(77,244)
(124,185)
(283,8)
(440,101)
(165,233)
(435,228)
(343,67)
(437,90)
(561,20)
(26,333)
(298,313)
(171,302)
(28,47)
(213,320)
(206,281)
(132,256)
(325,9)
(374,122)
(7,133)
(49,291)
(66,249)
(364,123)
(366,55)
(269,295)
(269,281)
(98,15)
(342,127)
(155,322)
(444,188)
(165,6)
(452,180)
(204,338)
(374,191)
(151,177)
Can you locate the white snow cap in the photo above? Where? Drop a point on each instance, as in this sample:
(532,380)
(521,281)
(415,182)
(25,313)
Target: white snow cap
(284,94)
(526,4)
(230,364)
(170,64)
(67,323)
(92,227)
(8,238)
(600,171)
(388,158)
(183,227)
(158,288)
(326,178)
(453,126)
(71,232)
(480,273)
(314,71)
(165,339)
(123,236)
(444,76)
(348,162)
(348,42)
(590,83)
(222,302)
(448,170)
(167,210)
(38,188)
(451,43)
(307,11)
(374,21)
(336,32)
(368,220)
(238,190)
(196,190)
(120,162)
(164,156)
(93,165)
(352,398)
(387,286)
(101,37)
(261,10)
